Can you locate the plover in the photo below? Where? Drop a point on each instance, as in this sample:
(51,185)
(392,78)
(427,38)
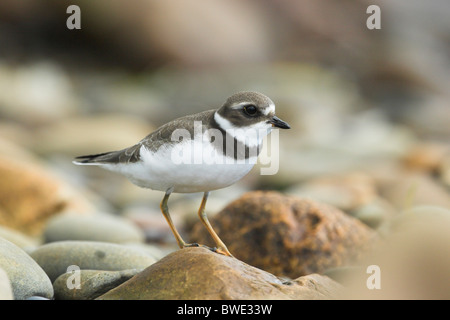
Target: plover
(202,152)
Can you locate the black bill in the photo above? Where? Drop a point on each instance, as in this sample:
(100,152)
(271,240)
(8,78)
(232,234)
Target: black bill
(277,122)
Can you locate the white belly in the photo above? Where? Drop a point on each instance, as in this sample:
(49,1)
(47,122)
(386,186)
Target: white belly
(187,168)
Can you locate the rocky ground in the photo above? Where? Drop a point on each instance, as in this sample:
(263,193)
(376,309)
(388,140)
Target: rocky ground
(64,238)
(357,208)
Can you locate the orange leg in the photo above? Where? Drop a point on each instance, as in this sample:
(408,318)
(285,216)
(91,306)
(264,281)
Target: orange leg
(221,247)
(165,211)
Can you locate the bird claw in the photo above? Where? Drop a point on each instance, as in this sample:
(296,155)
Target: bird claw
(222,251)
(190,245)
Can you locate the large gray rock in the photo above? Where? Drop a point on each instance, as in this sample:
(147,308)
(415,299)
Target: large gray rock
(97,227)
(5,286)
(26,276)
(56,257)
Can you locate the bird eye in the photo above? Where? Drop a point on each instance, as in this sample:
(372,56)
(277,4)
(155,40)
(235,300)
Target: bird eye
(250,110)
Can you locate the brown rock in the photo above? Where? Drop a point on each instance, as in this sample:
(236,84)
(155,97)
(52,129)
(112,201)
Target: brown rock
(426,156)
(286,235)
(198,273)
(29,195)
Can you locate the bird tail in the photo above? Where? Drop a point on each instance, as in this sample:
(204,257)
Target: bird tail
(94,159)
(128,155)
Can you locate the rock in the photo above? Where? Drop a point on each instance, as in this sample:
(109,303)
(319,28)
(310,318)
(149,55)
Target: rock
(444,171)
(409,189)
(287,236)
(93,283)
(340,274)
(56,257)
(12,139)
(6,292)
(368,135)
(19,239)
(237,25)
(413,259)
(198,273)
(49,93)
(420,215)
(96,227)
(150,219)
(426,156)
(30,194)
(26,276)
(429,116)
(187,207)
(374,213)
(80,135)
(153,250)
(346,192)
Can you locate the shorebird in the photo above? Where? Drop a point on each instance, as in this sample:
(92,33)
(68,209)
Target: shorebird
(202,152)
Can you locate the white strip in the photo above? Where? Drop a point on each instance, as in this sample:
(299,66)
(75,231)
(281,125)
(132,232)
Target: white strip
(269,110)
(251,135)
(79,163)
(222,122)
(265,111)
(240,104)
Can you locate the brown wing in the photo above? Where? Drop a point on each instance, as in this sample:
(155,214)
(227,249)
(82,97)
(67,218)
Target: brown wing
(159,137)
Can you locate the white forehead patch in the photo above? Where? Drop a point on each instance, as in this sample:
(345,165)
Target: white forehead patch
(239,105)
(270,109)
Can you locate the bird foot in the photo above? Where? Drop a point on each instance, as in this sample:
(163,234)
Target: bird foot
(190,245)
(222,251)
(196,245)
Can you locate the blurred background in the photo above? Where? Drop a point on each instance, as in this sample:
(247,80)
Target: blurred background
(369,109)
